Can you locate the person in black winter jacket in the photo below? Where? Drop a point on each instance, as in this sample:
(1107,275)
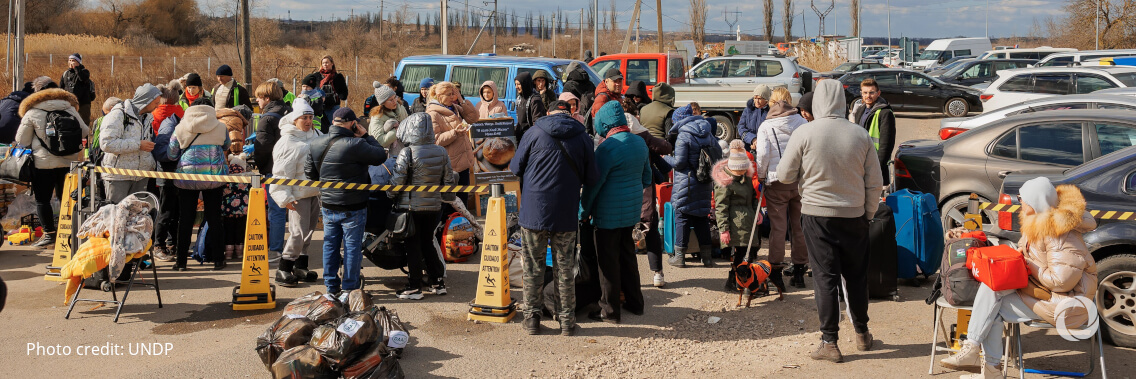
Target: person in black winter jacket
(875,110)
(419,104)
(77,81)
(529,105)
(10,115)
(267,124)
(343,156)
(580,84)
(333,85)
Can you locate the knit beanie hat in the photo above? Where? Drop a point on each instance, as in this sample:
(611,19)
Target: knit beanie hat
(1039,194)
(763,90)
(193,80)
(76,57)
(382,93)
(312,80)
(738,160)
(224,70)
(806,102)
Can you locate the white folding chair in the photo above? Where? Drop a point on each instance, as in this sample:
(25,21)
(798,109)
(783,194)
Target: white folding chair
(1095,342)
(940,305)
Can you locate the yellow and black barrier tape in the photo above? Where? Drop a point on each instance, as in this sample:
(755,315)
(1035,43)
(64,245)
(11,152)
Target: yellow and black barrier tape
(374,187)
(293,182)
(1099,214)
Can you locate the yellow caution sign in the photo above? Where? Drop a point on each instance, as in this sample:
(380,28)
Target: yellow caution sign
(493,302)
(255,291)
(64,228)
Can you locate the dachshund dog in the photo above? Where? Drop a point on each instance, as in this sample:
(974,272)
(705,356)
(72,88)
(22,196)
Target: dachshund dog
(753,276)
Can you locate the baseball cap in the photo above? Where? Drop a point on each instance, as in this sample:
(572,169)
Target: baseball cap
(560,105)
(344,115)
(613,74)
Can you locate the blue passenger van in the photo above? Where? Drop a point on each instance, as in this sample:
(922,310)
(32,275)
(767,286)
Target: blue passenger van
(472,70)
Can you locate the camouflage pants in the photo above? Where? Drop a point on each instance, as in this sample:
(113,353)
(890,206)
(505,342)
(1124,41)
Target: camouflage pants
(536,243)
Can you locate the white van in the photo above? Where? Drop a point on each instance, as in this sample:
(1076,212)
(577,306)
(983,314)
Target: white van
(1031,53)
(941,50)
(1074,58)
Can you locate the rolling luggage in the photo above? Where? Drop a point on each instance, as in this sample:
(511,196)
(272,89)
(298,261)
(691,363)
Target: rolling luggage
(663,194)
(882,263)
(668,221)
(918,233)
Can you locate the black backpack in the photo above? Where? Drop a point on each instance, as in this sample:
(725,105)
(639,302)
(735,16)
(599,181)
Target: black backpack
(707,156)
(64,134)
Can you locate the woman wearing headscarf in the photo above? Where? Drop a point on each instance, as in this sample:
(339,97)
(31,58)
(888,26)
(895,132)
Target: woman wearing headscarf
(199,144)
(1060,267)
(333,85)
(490,104)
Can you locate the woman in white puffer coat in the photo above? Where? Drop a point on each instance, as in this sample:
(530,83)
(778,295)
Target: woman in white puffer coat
(783,201)
(289,156)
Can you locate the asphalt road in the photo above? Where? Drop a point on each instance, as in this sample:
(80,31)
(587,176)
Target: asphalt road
(672,339)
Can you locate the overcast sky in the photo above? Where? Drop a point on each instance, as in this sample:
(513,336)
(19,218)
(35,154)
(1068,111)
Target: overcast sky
(917,18)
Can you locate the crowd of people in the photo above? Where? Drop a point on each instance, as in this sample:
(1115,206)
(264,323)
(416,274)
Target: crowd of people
(588,159)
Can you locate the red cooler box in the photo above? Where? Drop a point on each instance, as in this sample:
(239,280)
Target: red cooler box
(999,267)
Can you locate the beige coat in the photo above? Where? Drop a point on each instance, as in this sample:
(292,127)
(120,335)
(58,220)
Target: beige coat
(446,123)
(1058,258)
(34,111)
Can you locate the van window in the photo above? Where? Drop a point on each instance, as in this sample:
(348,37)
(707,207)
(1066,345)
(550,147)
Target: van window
(962,53)
(1091,83)
(472,77)
(1053,84)
(1020,83)
(1113,137)
(929,55)
(676,67)
(645,70)
(1052,143)
(412,75)
(602,67)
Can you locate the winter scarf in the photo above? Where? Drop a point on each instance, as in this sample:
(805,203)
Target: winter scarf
(328,76)
(164,111)
(189,99)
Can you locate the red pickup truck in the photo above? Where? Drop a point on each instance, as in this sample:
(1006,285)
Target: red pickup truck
(650,68)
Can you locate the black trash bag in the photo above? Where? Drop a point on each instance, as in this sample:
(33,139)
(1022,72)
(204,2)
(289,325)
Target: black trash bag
(286,333)
(341,340)
(393,332)
(376,361)
(302,362)
(317,307)
(358,300)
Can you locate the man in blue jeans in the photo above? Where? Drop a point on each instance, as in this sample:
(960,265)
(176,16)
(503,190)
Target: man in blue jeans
(343,155)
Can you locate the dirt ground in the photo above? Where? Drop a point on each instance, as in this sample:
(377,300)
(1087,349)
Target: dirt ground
(672,339)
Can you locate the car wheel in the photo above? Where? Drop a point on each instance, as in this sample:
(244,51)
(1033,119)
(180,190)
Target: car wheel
(956,107)
(954,210)
(726,130)
(1116,299)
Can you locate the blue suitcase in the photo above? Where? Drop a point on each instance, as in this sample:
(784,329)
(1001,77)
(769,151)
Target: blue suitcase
(668,227)
(918,233)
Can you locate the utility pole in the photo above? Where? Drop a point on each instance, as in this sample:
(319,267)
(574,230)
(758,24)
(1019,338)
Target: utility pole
(804,26)
(823,15)
(596,28)
(987,19)
(247,48)
(18,50)
(495,15)
(659,20)
(889,24)
(1097,26)
(8,38)
(632,24)
(638,27)
(445,27)
(581,33)
(737,16)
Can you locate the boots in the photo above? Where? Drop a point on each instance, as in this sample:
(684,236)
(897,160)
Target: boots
(967,359)
(732,282)
(776,279)
(229,252)
(798,279)
(678,259)
(707,257)
(284,275)
(301,271)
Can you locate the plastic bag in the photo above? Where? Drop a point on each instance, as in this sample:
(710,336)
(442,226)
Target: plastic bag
(302,362)
(23,205)
(342,340)
(375,362)
(317,307)
(394,333)
(284,334)
(358,300)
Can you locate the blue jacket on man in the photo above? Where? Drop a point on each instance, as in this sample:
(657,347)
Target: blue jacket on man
(550,187)
(751,119)
(613,202)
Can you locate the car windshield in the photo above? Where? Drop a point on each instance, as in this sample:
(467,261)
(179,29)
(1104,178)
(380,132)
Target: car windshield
(845,67)
(1129,79)
(954,68)
(930,55)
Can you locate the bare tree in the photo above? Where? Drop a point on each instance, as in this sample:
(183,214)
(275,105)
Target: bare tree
(787,13)
(613,17)
(854,10)
(698,21)
(768,20)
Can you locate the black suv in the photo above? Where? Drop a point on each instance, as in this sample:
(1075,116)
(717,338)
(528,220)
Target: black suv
(981,71)
(910,91)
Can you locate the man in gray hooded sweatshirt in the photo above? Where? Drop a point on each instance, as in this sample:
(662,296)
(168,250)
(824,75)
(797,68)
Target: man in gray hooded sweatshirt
(835,167)
(127,141)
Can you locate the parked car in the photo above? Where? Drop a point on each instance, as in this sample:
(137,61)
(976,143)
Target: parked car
(950,127)
(847,67)
(948,65)
(650,68)
(911,91)
(978,160)
(1074,58)
(1035,53)
(1108,184)
(1018,85)
(976,71)
(869,50)
(472,70)
(723,85)
(940,50)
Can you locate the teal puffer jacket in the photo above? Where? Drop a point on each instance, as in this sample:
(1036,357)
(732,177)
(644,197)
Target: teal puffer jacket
(614,201)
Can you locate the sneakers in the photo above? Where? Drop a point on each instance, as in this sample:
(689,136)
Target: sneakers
(989,371)
(531,325)
(864,341)
(48,241)
(658,280)
(410,293)
(163,253)
(439,287)
(827,351)
(967,359)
